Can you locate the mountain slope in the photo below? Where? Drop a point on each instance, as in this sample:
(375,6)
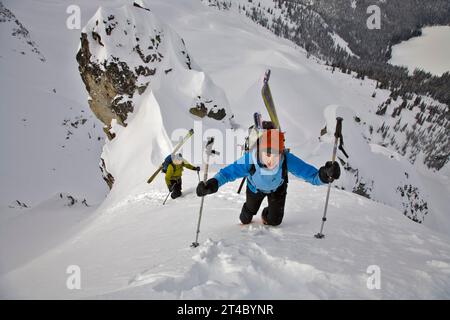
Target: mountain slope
(140,249)
(50,140)
(133,247)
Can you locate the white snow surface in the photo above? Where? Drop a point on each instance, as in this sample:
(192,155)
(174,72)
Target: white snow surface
(138,248)
(131,246)
(42,152)
(430,51)
(339,42)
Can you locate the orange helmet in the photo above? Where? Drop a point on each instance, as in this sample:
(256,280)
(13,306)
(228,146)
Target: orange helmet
(272,141)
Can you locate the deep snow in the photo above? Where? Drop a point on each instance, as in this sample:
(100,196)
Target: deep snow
(130,246)
(137,248)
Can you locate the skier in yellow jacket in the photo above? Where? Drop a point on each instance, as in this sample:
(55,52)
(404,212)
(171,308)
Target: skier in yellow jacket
(174,173)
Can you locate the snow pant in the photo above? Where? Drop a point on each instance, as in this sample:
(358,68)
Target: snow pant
(272,214)
(176,189)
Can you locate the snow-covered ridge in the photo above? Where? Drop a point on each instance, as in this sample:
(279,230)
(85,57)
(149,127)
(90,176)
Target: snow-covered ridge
(133,64)
(130,42)
(339,42)
(279,18)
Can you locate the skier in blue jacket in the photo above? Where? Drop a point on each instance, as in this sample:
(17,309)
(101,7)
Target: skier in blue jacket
(266,168)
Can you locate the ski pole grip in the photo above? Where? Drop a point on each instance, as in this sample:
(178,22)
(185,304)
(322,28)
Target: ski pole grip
(338,132)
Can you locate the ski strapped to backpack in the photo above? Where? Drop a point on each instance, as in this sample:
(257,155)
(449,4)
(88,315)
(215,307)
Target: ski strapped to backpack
(259,125)
(256,131)
(178,147)
(250,141)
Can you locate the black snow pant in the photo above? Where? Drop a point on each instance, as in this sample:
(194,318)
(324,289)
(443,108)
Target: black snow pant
(176,188)
(273,213)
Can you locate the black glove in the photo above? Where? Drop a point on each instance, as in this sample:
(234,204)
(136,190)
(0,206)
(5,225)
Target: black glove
(211,186)
(330,172)
(197,169)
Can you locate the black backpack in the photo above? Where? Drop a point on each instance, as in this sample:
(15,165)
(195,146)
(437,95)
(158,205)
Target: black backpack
(166,163)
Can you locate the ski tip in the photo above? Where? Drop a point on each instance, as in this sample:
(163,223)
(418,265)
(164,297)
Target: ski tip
(267,76)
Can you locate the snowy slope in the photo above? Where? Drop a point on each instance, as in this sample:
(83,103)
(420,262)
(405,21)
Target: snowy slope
(133,247)
(140,249)
(49,139)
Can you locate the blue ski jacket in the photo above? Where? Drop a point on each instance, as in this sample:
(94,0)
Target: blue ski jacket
(263,179)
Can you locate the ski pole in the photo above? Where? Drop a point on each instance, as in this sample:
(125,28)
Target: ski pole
(167,197)
(209,152)
(170,191)
(244,178)
(337,136)
(241,185)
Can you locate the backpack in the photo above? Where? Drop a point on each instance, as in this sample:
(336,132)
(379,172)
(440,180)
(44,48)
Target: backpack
(166,163)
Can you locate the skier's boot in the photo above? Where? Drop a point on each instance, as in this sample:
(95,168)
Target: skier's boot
(246,216)
(264,215)
(175,194)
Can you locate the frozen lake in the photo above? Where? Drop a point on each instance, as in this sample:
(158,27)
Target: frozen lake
(430,52)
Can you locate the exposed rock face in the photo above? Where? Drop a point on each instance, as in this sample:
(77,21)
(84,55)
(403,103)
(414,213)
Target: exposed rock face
(107,84)
(203,109)
(109,179)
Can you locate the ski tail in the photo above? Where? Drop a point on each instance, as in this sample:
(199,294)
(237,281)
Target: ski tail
(177,147)
(154,175)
